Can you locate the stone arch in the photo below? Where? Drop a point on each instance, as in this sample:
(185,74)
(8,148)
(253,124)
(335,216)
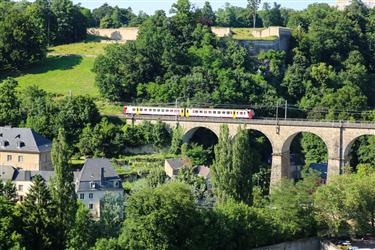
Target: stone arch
(189,132)
(288,141)
(348,143)
(287,169)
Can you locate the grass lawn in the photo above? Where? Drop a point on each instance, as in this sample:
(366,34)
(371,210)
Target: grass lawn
(84,49)
(245,34)
(60,75)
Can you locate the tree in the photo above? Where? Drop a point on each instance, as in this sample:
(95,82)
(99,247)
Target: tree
(177,140)
(8,225)
(9,104)
(160,218)
(233,167)
(71,24)
(207,15)
(239,226)
(39,110)
(8,191)
(161,135)
(37,214)
(111,215)
(253,6)
(81,234)
(222,180)
(198,154)
(62,189)
(156,177)
(292,206)
(75,113)
(22,38)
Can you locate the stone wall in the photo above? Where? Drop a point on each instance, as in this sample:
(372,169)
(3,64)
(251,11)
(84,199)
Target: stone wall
(305,244)
(220,31)
(120,34)
(254,46)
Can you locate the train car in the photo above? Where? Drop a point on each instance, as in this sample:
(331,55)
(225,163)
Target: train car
(190,112)
(220,113)
(140,110)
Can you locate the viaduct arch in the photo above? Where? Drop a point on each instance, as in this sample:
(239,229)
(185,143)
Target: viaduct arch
(337,136)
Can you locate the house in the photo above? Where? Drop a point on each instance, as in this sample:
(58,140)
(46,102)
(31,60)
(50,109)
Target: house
(25,149)
(22,179)
(97,178)
(202,171)
(172,166)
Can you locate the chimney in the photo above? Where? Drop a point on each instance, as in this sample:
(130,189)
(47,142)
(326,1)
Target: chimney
(102,175)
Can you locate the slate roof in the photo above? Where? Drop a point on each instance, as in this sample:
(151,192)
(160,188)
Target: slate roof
(26,175)
(23,140)
(98,170)
(7,173)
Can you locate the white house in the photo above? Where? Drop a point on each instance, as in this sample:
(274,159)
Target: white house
(97,178)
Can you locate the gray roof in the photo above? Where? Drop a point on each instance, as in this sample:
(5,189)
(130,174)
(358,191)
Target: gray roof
(177,163)
(26,175)
(98,170)
(7,172)
(23,139)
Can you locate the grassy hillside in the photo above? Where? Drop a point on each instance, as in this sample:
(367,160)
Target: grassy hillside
(62,74)
(85,49)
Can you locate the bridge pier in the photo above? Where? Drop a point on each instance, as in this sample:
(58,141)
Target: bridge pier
(280,166)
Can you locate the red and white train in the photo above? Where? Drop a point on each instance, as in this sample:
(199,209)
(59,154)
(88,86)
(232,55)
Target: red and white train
(189,112)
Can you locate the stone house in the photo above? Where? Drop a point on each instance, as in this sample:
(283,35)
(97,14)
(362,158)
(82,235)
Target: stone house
(96,178)
(172,166)
(25,149)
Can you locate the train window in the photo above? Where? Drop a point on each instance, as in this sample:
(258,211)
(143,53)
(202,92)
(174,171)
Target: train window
(141,109)
(158,110)
(209,112)
(133,109)
(214,112)
(241,113)
(200,111)
(162,110)
(228,112)
(205,112)
(219,112)
(154,110)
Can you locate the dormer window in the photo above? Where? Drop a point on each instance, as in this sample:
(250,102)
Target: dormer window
(116,183)
(92,184)
(20,144)
(4,143)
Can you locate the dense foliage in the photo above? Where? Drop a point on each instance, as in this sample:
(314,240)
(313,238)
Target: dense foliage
(26,29)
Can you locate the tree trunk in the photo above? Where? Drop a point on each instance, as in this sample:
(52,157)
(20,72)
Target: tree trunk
(254,19)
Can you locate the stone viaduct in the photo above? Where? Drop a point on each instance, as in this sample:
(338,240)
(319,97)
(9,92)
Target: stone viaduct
(337,136)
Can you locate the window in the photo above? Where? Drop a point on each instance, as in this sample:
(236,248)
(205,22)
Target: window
(116,183)
(9,157)
(82,196)
(92,184)
(91,206)
(20,197)
(219,112)
(20,187)
(214,112)
(45,158)
(158,110)
(20,158)
(91,195)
